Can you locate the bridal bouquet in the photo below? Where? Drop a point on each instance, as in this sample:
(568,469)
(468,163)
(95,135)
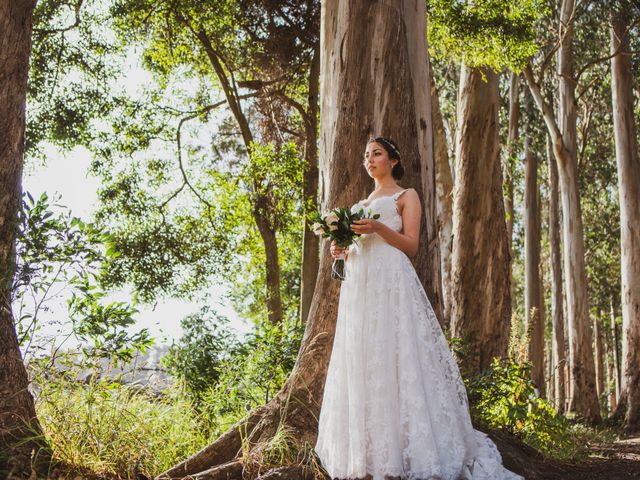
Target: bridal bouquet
(336,225)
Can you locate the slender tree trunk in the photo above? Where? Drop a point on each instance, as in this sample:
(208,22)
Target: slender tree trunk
(272,262)
(481,303)
(19,425)
(558,341)
(551,394)
(374,56)
(611,382)
(310,241)
(629,187)
(599,354)
(512,151)
(534,315)
(259,209)
(444,189)
(615,340)
(582,399)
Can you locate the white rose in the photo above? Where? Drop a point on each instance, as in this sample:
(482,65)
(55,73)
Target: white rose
(331,218)
(317,228)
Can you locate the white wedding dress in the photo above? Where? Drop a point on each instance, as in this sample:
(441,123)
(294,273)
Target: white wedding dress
(394,403)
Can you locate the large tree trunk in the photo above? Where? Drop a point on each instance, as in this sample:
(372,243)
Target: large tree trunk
(583,399)
(558,341)
(310,241)
(629,188)
(534,315)
(374,67)
(444,190)
(18,422)
(481,303)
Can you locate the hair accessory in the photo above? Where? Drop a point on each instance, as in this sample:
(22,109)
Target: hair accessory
(389,145)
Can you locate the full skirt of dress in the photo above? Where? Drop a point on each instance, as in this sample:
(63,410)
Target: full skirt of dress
(394,403)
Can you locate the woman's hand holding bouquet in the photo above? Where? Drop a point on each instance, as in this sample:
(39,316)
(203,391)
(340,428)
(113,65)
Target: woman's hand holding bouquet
(336,225)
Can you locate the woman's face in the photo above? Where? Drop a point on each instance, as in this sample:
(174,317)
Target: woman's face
(377,161)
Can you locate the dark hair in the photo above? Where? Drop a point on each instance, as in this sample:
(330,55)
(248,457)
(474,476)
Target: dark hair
(394,153)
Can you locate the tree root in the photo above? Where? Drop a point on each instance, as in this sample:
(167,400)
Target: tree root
(227,471)
(224,450)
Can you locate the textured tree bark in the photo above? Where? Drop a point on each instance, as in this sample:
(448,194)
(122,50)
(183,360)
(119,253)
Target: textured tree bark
(19,425)
(558,339)
(444,190)
(310,241)
(629,189)
(534,315)
(582,399)
(481,303)
(374,68)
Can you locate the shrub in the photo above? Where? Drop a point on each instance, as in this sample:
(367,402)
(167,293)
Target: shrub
(504,396)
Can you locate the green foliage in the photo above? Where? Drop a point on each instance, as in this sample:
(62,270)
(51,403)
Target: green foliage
(57,252)
(493,33)
(197,357)
(116,430)
(71,67)
(252,374)
(271,183)
(273,178)
(504,397)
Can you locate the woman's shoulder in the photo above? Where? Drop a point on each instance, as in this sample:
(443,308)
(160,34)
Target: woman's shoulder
(407,193)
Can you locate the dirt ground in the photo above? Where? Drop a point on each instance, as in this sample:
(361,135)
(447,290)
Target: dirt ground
(617,461)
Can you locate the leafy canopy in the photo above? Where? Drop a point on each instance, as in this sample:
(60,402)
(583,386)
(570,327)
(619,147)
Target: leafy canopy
(493,33)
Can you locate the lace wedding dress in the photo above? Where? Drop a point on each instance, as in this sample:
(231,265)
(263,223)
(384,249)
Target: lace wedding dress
(394,403)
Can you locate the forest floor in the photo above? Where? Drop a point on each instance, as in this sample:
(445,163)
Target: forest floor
(619,460)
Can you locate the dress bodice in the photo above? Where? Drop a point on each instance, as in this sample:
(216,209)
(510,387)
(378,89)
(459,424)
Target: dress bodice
(386,207)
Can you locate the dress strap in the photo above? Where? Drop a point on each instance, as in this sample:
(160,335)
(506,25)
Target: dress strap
(397,194)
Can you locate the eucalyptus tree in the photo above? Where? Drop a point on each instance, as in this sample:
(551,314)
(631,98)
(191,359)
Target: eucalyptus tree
(18,421)
(534,307)
(628,162)
(558,356)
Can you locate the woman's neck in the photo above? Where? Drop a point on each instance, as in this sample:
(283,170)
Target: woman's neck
(385,183)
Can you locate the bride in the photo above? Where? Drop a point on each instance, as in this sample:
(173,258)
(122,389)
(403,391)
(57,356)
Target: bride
(394,404)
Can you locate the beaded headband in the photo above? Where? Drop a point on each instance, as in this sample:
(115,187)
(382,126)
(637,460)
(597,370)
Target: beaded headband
(389,145)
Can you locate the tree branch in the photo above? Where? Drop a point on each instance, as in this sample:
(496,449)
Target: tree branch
(49,31)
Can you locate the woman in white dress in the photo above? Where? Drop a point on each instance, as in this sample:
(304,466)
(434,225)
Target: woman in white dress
(394,404)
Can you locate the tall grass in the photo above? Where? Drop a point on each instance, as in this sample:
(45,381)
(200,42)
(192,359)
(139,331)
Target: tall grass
(118,430)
